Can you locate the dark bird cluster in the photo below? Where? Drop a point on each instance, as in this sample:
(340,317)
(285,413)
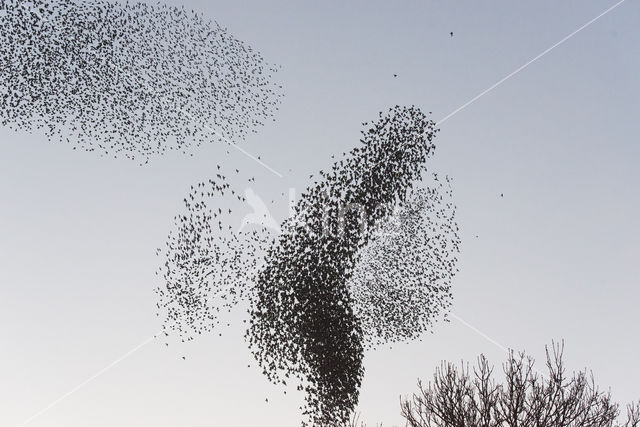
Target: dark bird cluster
(366,259)
(309,313)
(128,79)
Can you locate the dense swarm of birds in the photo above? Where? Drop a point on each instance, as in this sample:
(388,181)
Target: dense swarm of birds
(303,321)
(366,259)
(128,79)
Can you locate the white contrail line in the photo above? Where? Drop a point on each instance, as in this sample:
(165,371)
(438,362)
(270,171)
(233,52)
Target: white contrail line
(479,332)
(87,381)
(488,338)
(522,67)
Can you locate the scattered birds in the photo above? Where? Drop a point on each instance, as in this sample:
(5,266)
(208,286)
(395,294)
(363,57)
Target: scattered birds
(206,263)
(401,283)
(127,79)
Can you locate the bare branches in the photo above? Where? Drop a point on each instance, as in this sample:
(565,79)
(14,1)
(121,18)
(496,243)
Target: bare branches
(526,398)
(356,422)
(633,415)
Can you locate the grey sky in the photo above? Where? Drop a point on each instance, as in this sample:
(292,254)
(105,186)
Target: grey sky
(555,258)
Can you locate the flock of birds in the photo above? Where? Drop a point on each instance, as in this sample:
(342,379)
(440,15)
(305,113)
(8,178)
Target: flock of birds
(304,320)
(368,257)
(207,262)
(128,79)
(401,283)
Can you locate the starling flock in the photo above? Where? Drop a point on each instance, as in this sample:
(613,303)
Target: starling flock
(128,79)
(366,259)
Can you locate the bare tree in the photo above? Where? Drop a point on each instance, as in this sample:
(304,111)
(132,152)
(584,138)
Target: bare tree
(527,398)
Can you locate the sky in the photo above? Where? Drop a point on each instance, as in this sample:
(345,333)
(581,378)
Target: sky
(555,258)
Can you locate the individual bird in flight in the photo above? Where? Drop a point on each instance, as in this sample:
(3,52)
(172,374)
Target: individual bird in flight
(451,33)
